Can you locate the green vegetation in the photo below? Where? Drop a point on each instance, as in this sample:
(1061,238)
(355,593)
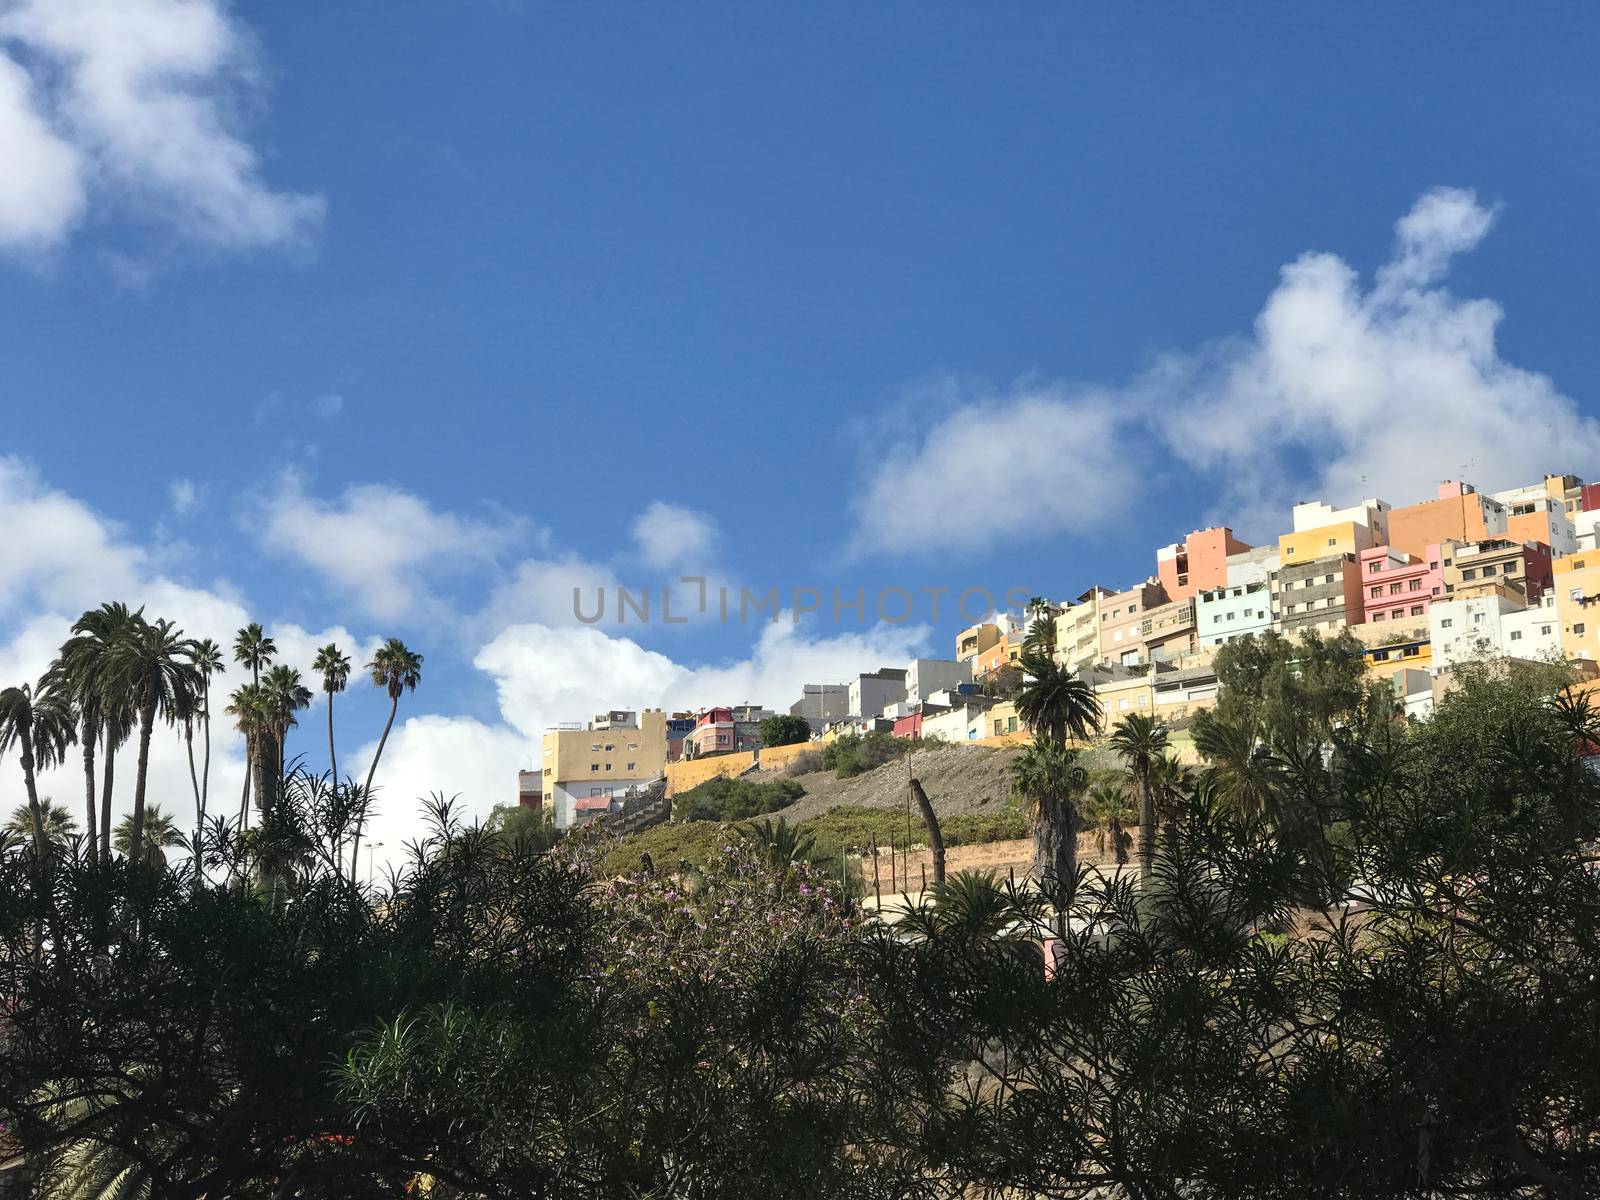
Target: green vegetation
(723,799)
(1361,963)
(856,754)
(784,730)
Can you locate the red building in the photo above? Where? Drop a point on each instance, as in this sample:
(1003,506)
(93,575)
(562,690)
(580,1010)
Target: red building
(1396,585)
(908,726)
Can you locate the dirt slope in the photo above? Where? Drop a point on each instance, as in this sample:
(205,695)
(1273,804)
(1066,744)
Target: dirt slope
(956,778)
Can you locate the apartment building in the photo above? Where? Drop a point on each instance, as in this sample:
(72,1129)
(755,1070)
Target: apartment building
(1577,589)
(975,639)
(924,676)
(1167,631)
(1492,626)
(821,704)
(1399,586)
(1519,570)
(1323,594)
(530,790)
(872,692)
(1121,616)
(1544,521)
(1394,644)
(1226,614)
(725,730)
(1198,562)
(1078,629)
(1322,531)
(1567,491)
(1458,513)
(585,769)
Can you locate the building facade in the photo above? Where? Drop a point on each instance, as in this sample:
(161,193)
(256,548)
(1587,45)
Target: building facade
(586,769)
(1577,589)
(1198,562)
(1519,570)
(924,676)
(1458,513)
(1323,594)
(1226,614)
(1121,616)
(872,692)
(1396,586)
(821,704)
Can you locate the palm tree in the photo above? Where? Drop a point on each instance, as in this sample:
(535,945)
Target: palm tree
(1041,637)
(780,843)
(252,717)
(285,695)
(334,667)
(1245,774)
(252,648)
(59,825)
(39,721)
(1111,813)
(160,834)
(399,669)
(103,713)
(1056,702)
(207,663)
(1139,740)
(154,668)
(1049,777)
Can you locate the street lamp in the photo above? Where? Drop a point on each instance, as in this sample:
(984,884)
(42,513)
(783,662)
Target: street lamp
(371,847)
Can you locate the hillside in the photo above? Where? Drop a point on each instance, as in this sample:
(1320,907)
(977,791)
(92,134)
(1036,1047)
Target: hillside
(957,779)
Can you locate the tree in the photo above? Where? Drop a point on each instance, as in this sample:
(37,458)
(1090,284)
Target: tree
(207,664)
(252,648)
(523,825)
(1140,740)
(935,835)
(784,730)
(39,722)
(1049,777)
(1291,689)
(160,834)
(1245,773)
(251,710)
(1107,809)
(397,669)
(333,665)
(1056,702)
(285,695)
(59,826)
(153,667)
(104,713)
(1041,635)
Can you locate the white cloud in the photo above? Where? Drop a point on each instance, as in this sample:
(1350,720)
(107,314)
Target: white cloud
(134,103)
(1345,392)
(59,554)
(1341,391)
(670,535)
(186,497)
(544,675)
(376,542)
(42,186)
(330,405)
(1001,467)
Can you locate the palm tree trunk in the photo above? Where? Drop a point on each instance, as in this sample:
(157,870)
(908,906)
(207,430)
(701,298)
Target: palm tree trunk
(366,791)
(1147,830)
(147,725)
(333,761)
(110,748)
(41,847)
(194,781)
(244,792)
(931,820)
(92,827)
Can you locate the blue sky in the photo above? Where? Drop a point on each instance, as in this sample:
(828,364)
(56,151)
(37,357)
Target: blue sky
(372,319)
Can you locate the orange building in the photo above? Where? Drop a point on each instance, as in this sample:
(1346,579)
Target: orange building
(1460,513)
(1198,563)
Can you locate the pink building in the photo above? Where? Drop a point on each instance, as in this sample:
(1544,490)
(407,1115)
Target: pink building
(1396,585)
(1198,563)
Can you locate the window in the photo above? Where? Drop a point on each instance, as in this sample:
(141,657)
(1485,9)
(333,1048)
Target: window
(1433,566)
(1217,620)
(594,745)
(608,766)
(1477,618)
(1544,630)
(1516,635)
(595,767)
(1290,550)
(1122,703)
(633,745)
(1578,629)
(1327,579)
(1376,592)
(1469,573)
(1414,586)
(1394,588)
(1380,656)
(1333,541)
(609,746)
(1413,651)
(1446,623)
(1372,568)
(1398,613)
(633,767)
(1377,616)
(1488,570)
(1416,610)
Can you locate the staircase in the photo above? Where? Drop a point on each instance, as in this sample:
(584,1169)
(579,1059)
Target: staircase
(640,811)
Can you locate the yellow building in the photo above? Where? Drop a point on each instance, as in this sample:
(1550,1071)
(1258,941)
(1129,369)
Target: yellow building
(975,639)
(1390,647)
(585,769)
(1577,587)
(1325,541)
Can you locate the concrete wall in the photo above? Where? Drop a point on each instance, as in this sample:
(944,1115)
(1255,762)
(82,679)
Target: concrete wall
(1458,514)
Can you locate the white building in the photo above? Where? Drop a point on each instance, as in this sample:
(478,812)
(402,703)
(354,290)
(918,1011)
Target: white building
(924,676)
(1374,514)
(1493,626)
(874,691)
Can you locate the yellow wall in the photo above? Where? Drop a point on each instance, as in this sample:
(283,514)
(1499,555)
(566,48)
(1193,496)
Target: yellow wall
(1348,537)
(681,776)
(568,755)
(1578,573)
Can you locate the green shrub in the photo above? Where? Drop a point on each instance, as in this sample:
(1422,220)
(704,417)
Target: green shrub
(855,754)
(723,799)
